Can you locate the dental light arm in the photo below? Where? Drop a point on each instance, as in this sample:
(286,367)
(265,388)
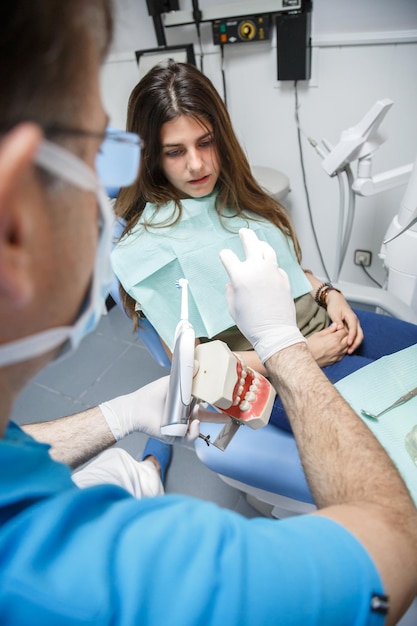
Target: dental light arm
(358,141)
(358,144)
(400,260)
(367,185)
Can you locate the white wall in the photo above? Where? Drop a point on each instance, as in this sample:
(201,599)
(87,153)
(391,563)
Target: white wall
(363,51)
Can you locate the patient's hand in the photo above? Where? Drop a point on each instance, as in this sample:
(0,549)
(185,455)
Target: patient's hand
(341,313)
(329,345)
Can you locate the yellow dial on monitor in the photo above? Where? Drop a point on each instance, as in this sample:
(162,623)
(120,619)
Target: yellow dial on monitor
(247,30)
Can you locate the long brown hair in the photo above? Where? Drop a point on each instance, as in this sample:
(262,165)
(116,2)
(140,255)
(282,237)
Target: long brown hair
(166,92)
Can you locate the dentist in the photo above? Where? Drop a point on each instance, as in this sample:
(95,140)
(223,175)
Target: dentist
(97,555)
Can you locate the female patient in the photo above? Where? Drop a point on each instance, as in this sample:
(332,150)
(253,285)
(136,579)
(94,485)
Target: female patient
(194,191)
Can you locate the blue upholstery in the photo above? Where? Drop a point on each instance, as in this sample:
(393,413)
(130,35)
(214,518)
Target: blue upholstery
(266,459)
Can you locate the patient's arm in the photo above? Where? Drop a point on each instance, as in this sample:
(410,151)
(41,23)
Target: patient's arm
(252,360)
(341,314)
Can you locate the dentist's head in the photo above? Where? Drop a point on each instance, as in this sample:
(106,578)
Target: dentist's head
(54,223)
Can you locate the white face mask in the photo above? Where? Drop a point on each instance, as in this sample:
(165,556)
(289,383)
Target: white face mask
(67,166)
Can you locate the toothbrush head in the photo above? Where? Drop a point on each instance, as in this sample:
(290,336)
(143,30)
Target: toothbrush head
(181,282)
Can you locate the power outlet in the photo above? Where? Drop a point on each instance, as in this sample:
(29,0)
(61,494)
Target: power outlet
(363,257)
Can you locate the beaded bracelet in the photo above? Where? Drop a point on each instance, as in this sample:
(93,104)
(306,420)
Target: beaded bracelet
(322,293)
(317,294)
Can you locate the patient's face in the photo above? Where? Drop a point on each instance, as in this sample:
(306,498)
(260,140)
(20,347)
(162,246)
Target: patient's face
(189,157)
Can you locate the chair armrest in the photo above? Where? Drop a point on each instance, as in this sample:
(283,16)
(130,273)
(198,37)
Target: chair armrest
(378,298)
(266,458)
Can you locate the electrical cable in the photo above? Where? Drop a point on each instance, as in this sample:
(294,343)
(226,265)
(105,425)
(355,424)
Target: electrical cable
(223,76)
(197,15)
(300,147)
(369,276)
(201,48)
(340,225)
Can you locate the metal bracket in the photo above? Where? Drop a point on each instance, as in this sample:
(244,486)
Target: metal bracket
(224,437)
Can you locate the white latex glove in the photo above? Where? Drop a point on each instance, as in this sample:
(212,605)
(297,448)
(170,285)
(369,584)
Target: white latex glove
(259,297)
(141,410)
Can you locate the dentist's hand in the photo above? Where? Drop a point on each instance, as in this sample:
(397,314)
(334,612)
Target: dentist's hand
(259,297)
(141,410)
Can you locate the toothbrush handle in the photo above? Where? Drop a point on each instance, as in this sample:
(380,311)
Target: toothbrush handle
(184,300)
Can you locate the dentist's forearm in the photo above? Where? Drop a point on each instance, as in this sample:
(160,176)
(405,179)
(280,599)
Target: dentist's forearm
(74,439)
(336,448)
(352,479)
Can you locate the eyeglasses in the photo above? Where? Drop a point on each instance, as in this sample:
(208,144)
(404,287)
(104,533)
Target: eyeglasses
(117,162)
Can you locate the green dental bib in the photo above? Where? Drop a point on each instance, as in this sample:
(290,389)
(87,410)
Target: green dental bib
(149,261)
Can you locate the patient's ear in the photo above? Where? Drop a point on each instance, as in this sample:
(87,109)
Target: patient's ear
(17,149)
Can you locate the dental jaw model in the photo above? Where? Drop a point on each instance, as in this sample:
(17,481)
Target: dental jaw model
(222,380)
(225,382)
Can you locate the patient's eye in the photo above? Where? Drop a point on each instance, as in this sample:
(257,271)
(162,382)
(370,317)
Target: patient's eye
(206,142)
(174,153)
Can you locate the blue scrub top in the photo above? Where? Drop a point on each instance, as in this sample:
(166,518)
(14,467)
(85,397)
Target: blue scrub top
(98,556)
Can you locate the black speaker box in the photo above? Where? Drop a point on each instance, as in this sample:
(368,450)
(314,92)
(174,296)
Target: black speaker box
(294,46)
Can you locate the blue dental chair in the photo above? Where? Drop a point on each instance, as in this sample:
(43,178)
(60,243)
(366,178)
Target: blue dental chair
(264,464)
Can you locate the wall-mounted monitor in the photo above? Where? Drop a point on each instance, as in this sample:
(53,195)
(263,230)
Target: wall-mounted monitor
(146,59)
